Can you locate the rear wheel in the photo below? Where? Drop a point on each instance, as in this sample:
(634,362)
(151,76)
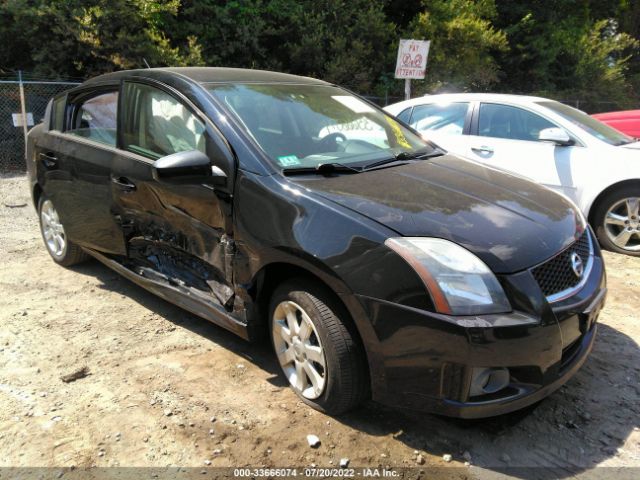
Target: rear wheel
(617,221)
(317,348)
(62,250)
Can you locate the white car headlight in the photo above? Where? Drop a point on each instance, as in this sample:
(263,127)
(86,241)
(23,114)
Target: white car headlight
(458,281)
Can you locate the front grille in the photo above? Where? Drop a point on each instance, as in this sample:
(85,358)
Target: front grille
(556,275)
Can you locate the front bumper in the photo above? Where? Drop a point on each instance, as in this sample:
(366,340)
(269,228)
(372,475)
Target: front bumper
(427,359)
(524,394)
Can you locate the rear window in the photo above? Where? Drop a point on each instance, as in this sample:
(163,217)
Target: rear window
(442,117)
(405,115)
(96,118)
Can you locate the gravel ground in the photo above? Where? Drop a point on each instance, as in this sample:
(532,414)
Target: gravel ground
(164,387)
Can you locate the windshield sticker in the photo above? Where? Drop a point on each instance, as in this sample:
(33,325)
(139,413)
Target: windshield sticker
(288,160)
(397,132)
(353,104)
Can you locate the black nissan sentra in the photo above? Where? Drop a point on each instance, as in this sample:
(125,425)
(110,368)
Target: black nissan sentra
(286,207)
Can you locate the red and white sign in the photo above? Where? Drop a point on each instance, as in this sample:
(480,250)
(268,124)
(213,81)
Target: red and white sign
(412,58)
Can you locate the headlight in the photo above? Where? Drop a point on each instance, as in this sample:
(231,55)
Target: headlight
(458,281)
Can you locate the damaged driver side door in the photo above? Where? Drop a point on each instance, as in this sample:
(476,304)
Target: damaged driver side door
(177,227)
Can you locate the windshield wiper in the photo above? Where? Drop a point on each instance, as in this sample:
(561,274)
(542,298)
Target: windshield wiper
(323,168)
(404,157)
(333,167)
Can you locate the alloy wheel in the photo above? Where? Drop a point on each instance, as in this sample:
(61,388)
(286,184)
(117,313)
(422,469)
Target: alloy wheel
(622,224)
(52,230)
(299,349)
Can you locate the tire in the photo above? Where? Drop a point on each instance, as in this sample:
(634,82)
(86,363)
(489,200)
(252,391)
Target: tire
(63,251)
(617,216)
(342,380)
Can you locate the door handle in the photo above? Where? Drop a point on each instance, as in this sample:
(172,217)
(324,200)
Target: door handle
(49,160)
(123,183)
(482,149)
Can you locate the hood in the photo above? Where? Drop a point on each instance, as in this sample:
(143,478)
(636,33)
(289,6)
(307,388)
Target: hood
(509,222)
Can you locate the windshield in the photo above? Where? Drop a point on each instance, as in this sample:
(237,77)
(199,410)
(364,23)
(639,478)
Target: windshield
(304,126)
(591,125)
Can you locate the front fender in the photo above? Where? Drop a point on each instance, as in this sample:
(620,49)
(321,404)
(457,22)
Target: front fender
(279,222)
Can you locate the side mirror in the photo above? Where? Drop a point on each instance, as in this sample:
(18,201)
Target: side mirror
(191,167)
(555,135)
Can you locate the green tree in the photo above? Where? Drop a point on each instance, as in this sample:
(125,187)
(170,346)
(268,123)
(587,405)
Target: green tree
(464,43)
(600,72)
(78,38)
(342,41)
(567,49)
(347,42)
(629,20)
(230,33)
(573,51)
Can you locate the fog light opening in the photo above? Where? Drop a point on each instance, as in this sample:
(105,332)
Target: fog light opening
(488,380)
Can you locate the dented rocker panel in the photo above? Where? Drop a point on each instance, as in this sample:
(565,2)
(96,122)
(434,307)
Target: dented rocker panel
(179,296)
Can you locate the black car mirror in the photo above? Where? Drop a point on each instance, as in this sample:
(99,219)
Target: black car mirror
(191,166)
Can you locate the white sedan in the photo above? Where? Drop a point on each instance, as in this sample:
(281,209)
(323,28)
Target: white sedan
(554,144)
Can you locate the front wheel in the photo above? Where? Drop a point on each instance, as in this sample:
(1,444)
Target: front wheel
(617,221)
(62,250)
(318,350)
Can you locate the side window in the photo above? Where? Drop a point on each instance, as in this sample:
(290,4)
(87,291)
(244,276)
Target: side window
(57,113)
(444,118)
(503,121)
(95,118)
(156,124)
(405,115)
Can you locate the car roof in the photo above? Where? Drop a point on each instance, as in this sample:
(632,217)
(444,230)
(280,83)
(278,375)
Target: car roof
(466,97)
(209,75)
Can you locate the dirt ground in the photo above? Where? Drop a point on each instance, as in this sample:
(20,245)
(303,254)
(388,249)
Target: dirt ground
(167,388)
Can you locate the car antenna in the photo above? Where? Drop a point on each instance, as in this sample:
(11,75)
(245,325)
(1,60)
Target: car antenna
(145,62)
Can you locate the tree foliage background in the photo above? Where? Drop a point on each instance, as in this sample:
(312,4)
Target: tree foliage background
(583,50)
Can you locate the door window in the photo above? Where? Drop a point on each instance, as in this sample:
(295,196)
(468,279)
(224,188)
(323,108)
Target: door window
(57,113)
(157,124)
(444,118)
(404,115)
(503,121)
(95,118)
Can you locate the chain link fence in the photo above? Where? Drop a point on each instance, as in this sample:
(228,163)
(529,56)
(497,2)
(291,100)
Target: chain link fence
(38,92)
(36,97)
